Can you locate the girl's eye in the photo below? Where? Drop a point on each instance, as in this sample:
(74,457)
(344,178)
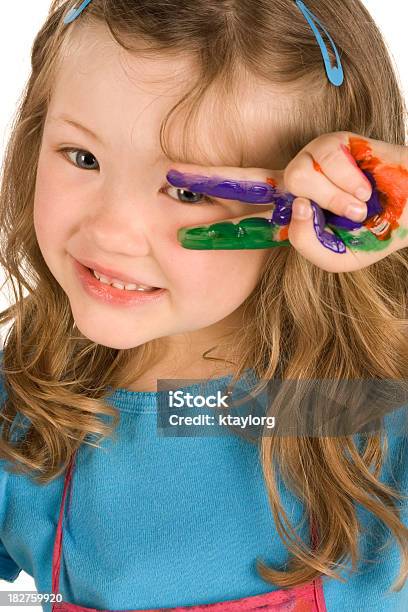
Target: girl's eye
(191,197)
(76,153)
(187,197)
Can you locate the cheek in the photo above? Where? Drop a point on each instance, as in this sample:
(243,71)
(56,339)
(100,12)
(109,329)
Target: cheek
(221,279)
(54,211)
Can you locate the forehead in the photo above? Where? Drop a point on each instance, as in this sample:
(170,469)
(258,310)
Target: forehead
(125,96)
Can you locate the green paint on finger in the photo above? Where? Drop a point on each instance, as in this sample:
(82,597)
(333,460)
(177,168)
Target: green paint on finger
(252,233)
(366,240)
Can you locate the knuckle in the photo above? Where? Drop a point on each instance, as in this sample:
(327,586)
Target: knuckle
(323,139)
(330,138)
(336,203)
(344,135)
(296,174)
(339,136)
(328,155)
(327,146)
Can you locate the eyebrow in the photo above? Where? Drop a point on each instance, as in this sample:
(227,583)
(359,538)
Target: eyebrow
(78,126)
(68,120)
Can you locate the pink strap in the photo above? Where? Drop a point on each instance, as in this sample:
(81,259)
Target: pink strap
(56,555)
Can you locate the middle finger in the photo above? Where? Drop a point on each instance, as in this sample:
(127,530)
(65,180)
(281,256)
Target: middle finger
(309,181)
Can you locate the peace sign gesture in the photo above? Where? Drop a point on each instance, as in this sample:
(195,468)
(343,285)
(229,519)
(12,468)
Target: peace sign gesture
(330,178)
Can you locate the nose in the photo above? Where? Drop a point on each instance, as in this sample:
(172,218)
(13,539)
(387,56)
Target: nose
(122,224)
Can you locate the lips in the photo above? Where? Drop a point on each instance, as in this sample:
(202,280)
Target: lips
(114,274)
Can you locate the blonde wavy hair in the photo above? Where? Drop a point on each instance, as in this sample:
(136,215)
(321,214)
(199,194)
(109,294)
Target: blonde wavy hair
(303,323)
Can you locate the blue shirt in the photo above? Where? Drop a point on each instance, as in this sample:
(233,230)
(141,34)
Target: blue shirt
(169,521)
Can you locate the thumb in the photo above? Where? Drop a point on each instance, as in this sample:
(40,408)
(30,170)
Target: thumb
(307,232)
(301,209)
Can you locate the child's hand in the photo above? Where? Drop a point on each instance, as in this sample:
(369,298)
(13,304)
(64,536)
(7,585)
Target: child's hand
(324,172)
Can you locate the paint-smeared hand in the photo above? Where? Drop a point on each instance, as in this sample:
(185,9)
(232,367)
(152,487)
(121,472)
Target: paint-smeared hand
(326,177)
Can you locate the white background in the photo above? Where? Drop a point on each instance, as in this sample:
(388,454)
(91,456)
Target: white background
(19,24)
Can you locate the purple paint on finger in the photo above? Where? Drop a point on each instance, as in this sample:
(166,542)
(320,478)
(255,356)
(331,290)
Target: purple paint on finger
(250,192)
(329,241)
(282,213)
(374,207)
(342,222)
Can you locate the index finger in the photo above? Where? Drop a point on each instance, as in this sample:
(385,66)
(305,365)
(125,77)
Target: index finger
(344,158)
(263,191)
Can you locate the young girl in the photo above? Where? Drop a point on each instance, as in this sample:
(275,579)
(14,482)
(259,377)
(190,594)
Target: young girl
(130,514)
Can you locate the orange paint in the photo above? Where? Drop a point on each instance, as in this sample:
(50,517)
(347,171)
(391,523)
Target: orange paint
(352,161)
(317,167)
(392,185)
(272,182)
(283,233)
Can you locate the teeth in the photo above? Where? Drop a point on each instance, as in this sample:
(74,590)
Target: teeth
(120,284)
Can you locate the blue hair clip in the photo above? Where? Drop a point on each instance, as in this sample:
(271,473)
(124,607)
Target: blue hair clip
(75,12)
(334,73)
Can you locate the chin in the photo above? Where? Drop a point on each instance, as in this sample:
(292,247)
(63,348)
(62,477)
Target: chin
(112,340)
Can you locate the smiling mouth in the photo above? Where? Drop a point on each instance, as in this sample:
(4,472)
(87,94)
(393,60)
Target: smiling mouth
(104,280)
